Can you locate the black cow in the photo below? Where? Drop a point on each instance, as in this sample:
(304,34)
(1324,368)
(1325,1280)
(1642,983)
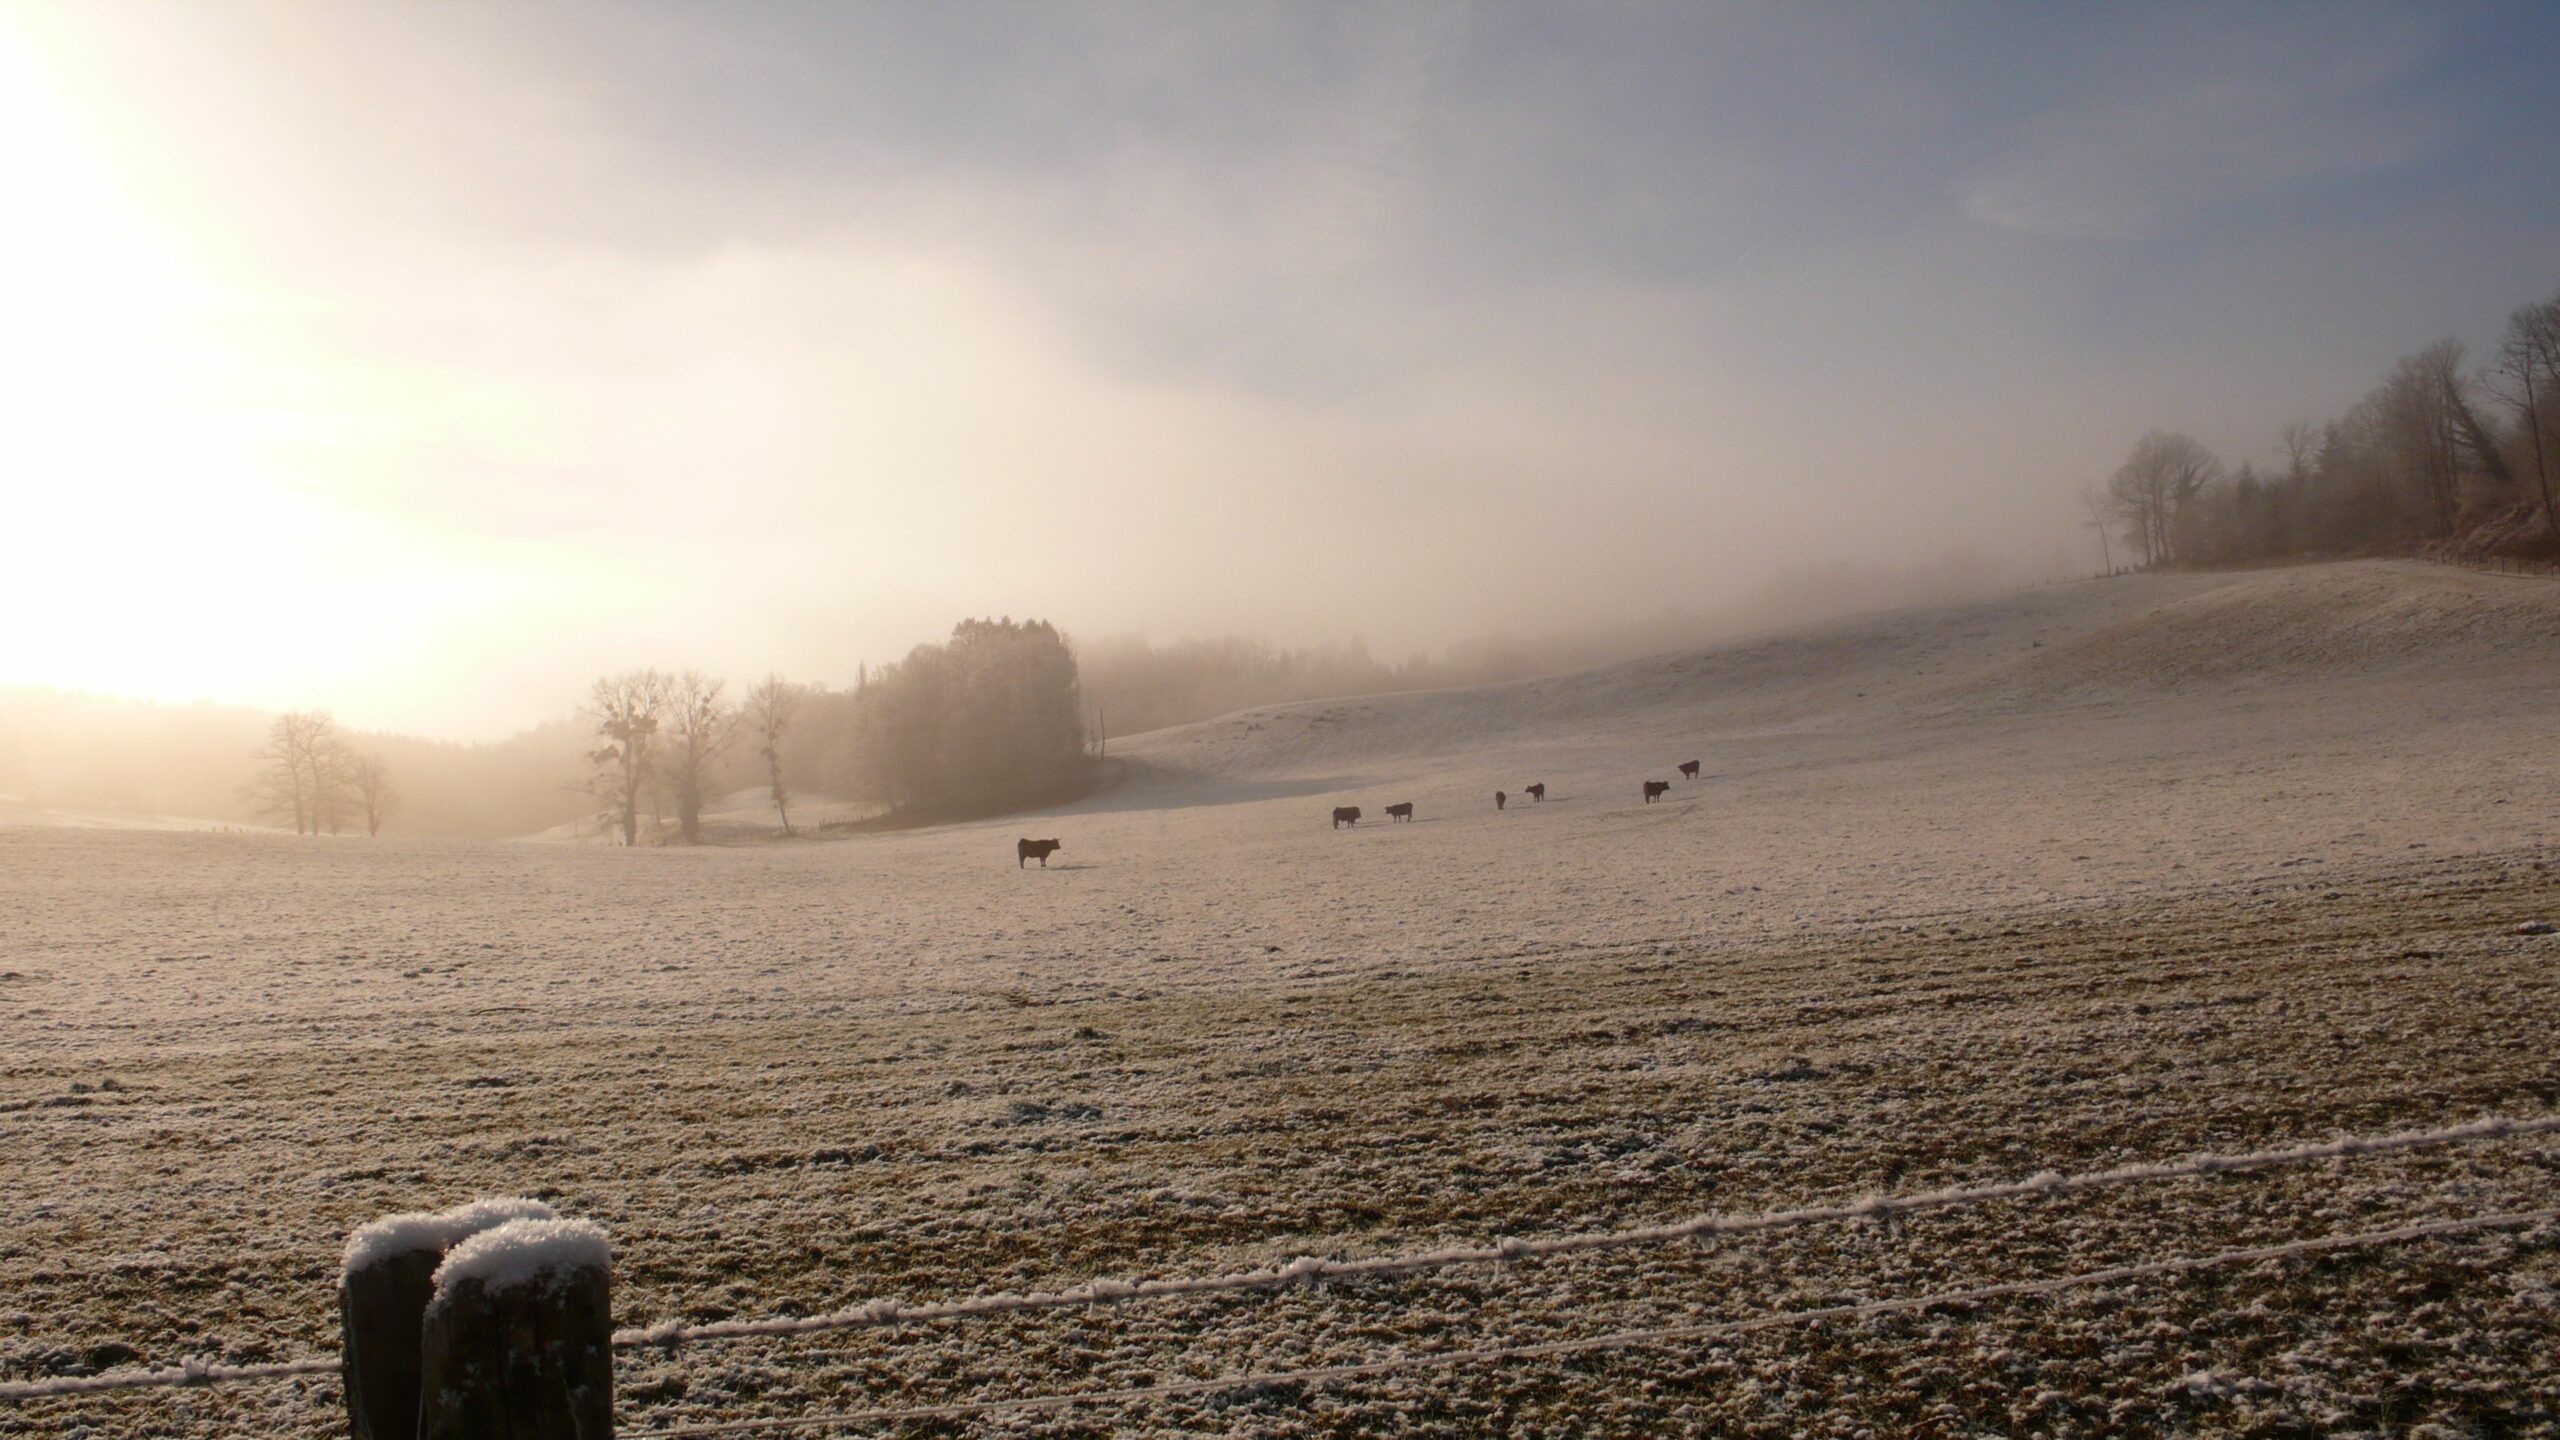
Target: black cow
(1653,788)
(1400,812)
(1025,850)
(1345,815)
(1689,768)
(1538,792)
(1500,799)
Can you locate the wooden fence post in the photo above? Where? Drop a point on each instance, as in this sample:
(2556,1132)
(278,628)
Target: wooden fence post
(519,1336)
(383,1288)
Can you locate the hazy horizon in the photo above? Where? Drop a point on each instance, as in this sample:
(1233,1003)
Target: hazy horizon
(423,364)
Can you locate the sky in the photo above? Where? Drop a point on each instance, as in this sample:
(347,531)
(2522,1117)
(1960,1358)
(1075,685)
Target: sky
(423,362)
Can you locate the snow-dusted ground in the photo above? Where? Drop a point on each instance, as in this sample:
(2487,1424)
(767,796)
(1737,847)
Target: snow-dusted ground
(2075,877)
(16,812)
(741,815)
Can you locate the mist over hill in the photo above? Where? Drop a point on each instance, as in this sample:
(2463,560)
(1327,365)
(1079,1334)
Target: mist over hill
(121,757)
(101,753)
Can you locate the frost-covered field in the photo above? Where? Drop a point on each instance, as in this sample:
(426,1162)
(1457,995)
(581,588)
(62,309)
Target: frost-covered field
(2091,875)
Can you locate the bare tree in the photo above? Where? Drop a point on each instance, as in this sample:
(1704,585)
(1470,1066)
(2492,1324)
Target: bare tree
(277,793)
(2154,486)
(2300,441)
(770,707)
(2527,377)
(299,777)
(2418,410)
(2093,498)
(699,729)
(333,799)
(370,780)
(625,710)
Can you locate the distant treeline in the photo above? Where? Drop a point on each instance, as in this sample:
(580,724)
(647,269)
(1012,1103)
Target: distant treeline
(1003,715)
(2440,455)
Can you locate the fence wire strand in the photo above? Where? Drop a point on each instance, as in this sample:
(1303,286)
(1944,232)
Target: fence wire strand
(1622,1339)
(1309,1269)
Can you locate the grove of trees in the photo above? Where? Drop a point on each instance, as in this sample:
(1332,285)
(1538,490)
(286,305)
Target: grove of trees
(988,721)
(311,775)
(2440,455)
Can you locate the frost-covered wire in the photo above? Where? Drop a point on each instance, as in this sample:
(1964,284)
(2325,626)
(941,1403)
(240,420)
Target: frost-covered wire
(180,1376)
(1621,1339)
(1309,1269)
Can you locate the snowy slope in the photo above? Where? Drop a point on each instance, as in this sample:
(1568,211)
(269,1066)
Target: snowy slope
(2095,875)
(2124,641)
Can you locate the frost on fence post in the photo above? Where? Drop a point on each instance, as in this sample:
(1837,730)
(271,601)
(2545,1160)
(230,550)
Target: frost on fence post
(519,1341)
(383,1288)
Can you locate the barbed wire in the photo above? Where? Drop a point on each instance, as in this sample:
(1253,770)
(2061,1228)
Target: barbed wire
(185,1374)
(1622,1339)
(2496,564)
(1310,1269)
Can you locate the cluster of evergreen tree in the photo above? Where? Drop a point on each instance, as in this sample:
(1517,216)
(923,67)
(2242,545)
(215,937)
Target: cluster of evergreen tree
(2439,454)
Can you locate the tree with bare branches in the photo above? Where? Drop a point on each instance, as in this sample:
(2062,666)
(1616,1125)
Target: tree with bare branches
(2093,499)
(769,710)
(300,777)
(369,780)
(2300,441)
(2153,488)
(2419,412)
(699,729)
(2526,375)
(625,711)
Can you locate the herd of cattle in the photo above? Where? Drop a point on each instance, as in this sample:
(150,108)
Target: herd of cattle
(1025,851)
(1403,810)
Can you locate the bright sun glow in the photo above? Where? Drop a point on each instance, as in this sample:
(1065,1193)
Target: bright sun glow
(145,533)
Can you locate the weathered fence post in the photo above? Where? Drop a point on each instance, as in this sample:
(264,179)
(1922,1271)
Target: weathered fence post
(519,1336)
(383,1288)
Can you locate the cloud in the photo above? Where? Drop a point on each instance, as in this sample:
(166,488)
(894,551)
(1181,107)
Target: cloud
(754,336)
(2171,130)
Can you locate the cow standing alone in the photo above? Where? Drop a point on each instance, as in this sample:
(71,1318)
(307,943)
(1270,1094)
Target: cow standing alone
(1538,792)
(1024,850)
(1500,799)
(1653,788)
(1689,769)
(1346,815)
(1403,811)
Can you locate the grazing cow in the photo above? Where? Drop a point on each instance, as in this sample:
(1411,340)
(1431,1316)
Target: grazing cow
(1500,799)
(1400,812)
(1345,815)
(1025,850)
(1689,768)
(1653,788)
(1538,792)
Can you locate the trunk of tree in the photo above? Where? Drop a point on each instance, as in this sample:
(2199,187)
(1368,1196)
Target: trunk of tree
(773,775)
(2541,464)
